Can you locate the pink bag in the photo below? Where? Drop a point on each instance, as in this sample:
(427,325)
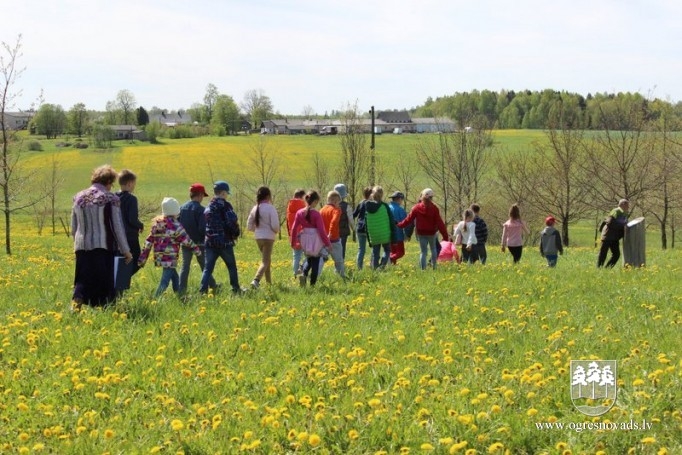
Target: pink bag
(448,252)
(311,243)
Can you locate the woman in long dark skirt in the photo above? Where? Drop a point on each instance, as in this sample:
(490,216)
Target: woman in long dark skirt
(98,233)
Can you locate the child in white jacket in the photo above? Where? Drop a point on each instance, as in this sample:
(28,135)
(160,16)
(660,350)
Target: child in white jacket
(465,235)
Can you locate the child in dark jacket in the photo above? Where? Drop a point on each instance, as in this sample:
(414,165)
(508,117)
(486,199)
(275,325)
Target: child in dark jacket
(130,214)
(550,242)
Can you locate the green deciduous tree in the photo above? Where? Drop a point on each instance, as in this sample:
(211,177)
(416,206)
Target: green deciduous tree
(50,120)
(78,120)
(225,118)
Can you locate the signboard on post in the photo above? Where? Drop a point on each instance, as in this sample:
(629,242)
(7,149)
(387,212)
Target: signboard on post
(634,243)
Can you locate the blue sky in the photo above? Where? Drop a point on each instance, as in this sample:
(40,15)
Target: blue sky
(392,54)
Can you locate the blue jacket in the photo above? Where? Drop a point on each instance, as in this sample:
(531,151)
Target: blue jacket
(192,219)
(222,227)
(399,214)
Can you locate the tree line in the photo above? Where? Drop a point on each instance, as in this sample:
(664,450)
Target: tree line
(527,109)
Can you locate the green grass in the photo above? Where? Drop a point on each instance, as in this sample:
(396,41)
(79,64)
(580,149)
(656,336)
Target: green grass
(447,361)
(388,361)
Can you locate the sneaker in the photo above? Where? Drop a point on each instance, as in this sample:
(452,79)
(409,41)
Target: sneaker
(255,284)
(302,279)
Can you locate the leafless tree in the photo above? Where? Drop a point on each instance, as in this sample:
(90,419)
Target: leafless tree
(617,164)
(257,106)
(406,169)
(320,174)
(16,184)
(354,152)
(456,163)
(126,104)
(557,184)
(308,111)
(665,198)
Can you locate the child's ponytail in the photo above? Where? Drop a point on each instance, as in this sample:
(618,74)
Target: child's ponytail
(263,194)
(310,198)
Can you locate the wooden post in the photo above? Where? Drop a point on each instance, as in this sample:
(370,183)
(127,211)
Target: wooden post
(634,243)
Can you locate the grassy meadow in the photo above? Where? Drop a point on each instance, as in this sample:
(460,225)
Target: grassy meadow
(461,359)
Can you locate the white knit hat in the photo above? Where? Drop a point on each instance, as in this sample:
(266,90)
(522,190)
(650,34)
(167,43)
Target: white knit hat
(170,207)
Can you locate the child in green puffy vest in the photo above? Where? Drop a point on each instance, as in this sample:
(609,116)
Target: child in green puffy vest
(380,227)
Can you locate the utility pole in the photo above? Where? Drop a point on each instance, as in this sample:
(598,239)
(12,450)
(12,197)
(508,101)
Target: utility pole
(372,153)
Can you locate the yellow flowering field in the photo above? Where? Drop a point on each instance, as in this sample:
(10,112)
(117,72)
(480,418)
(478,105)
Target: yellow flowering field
(471,360)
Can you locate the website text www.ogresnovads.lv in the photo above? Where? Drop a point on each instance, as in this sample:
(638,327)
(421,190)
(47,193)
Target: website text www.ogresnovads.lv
(631,425)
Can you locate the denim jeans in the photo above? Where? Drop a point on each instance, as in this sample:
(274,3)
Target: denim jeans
(551,259)
(428,243)
(376,252)
(187,254)
(344,241)
(168,276)
(337,256)
(227,255)
(362,247)
(297,260)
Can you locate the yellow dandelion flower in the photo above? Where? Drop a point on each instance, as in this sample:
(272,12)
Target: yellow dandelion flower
(445,441)
(455,448)
(314,440)
(109,433)
(22,407)
(39,447)
(353,435)
(155,449)
(426,447)
(531,412)
(177,425)
(23,437)
(495,447)
(561,446)
(662,451)
(648,440)
(302,436)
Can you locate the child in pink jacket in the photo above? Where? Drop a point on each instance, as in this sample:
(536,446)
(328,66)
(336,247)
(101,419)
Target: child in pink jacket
(512,233)
(312,236)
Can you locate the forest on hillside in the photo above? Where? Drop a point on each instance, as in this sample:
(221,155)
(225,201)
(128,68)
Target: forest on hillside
(527,109)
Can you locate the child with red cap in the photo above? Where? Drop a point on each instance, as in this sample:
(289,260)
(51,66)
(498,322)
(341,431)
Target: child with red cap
(550,242)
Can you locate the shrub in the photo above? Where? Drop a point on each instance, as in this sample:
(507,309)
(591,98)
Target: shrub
(35,146)
(80,145)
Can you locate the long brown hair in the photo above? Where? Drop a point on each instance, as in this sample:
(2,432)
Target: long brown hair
(310,198)
(262,194)
(515,212)
(466,214)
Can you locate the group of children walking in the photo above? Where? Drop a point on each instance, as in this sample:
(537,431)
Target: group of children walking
(209,233)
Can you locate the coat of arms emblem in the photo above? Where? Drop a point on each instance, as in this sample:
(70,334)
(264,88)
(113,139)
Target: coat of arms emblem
(593,385)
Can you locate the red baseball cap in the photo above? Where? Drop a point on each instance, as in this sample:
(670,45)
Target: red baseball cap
(550,220)
(197,188)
